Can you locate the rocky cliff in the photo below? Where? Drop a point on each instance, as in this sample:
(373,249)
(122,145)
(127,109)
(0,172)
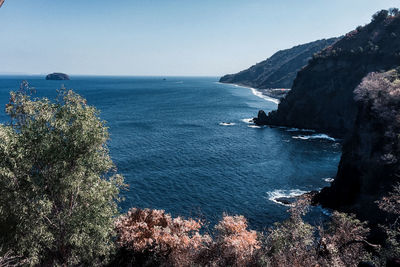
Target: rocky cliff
(280,69)
(322,94)
(370,162)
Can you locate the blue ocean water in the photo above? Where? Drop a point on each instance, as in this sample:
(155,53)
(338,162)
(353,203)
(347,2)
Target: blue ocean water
(185,145)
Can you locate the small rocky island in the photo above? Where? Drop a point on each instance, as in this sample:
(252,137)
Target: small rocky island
(57,76)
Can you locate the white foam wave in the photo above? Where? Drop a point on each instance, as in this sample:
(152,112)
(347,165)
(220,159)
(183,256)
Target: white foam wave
(328,180)
(227,123)
(259,94)
(276,194)
(314,136)
(255,126)
(250,120)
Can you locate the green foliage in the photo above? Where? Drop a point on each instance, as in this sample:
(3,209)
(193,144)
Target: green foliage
(394,11)
(58,185)
(391,204)
(343,242)
(380,15)
(294,242)
(290,242)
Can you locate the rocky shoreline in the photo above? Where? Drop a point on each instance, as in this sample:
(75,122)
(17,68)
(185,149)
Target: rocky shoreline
(362,108)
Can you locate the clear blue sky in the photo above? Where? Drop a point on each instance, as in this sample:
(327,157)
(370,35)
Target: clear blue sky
(165,37)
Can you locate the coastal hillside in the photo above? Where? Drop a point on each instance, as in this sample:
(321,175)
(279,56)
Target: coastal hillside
(322,94)
(370,161)
(278,71)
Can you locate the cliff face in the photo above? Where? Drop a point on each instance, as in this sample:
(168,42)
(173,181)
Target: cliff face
(370,162)
(322,94)
(280,69)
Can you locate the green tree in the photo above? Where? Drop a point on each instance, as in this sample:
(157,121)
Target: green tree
(58,186)
(391,204)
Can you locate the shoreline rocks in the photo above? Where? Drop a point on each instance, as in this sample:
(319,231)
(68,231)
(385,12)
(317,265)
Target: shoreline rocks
(322,93)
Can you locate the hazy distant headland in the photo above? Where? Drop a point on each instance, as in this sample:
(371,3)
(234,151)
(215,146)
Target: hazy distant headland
(280,70)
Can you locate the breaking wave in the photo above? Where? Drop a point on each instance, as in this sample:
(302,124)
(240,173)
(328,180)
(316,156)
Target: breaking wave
(314,136)
(227,123)
(274,195)
(249,121)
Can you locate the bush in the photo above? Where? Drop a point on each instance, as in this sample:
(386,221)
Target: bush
(155,238)
(391,204)
(380,16)
(394,11)
(344,241)
(58,186)
(235,245)
(296,243)
(292,242)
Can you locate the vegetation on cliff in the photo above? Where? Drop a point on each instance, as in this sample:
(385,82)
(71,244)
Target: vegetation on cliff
(370,162)
(280,70)
(154,238)
(322,94)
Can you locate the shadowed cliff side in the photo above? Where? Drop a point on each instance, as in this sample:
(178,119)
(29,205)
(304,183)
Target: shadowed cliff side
(280,69)
(370,162)
(322,94)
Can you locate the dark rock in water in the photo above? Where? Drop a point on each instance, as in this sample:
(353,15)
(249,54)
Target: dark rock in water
(261,118)
(280,69)
(291,200)
(322,93)
(286,200)
(370,158)
(57,76)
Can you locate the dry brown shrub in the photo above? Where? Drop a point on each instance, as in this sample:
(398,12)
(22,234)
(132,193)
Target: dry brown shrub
(236,245)
(175,241)
(168,241)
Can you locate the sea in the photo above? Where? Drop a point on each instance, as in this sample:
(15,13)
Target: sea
(187,145)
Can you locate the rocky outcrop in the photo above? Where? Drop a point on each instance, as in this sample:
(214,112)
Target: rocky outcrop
(322,94)
(280,69)
(370,162)
(57,76)
(261,118)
